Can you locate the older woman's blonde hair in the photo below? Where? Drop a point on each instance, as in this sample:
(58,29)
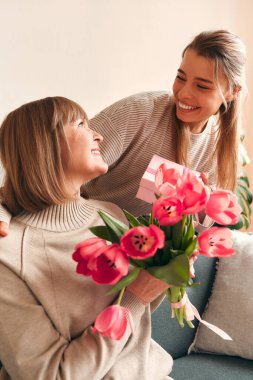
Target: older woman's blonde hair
(32,140)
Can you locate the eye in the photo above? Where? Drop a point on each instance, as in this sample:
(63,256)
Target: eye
(180,78)
(202,87)
(80,124)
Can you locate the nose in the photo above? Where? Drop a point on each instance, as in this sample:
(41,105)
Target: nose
(185,91)
(97,136)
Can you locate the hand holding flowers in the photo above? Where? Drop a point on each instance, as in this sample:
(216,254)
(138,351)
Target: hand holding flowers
(160,248)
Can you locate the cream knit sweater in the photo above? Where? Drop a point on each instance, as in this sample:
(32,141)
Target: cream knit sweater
(46,309)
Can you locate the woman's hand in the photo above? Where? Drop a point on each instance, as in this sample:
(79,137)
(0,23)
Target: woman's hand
(4,229)
(147,287)
(204,177)
(202,214)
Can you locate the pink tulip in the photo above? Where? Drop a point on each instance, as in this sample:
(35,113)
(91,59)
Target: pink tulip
(142,242)
(112,322)
(216,242)
(111,265)
(167,211)
(192,192)
(86,253)
(105,264)
(166,180)
(223,207)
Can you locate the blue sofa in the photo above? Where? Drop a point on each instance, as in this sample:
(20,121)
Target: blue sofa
(176,340)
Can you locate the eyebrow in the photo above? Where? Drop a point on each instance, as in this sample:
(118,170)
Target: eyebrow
(198,78)
(78,121)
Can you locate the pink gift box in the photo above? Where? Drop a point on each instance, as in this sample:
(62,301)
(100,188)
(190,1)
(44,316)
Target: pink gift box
(147,187)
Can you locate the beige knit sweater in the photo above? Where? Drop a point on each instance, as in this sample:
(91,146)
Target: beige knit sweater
(46,309)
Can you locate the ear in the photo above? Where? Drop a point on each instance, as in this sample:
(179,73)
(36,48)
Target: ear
(232,95)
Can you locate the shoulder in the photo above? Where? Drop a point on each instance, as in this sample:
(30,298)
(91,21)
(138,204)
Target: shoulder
(143,101)
(149,100)
(11,246)
(20,234)
(109,207)
(146,97)
(12,240)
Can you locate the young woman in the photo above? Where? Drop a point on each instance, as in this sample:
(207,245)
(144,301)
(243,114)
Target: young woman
(46,309)
(197,126)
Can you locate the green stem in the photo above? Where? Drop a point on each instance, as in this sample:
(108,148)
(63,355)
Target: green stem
(120,296)
(151,218)
(183,223)
(181,316)
(190,324)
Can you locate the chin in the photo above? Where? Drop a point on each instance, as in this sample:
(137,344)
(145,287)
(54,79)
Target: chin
(103,169)
(96,173)
(184,118)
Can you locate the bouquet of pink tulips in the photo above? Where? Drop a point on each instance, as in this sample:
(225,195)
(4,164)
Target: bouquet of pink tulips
(163,243)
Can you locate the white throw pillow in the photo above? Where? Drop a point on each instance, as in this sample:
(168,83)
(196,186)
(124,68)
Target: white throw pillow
(230,306)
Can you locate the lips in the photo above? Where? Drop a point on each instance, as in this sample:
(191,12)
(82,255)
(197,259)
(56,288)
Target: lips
(95,151)
(186,107)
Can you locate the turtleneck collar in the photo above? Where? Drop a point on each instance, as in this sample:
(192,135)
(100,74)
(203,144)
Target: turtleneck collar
(64,217)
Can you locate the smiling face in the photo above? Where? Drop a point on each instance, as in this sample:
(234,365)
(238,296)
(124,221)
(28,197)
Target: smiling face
(85,161)
(196,94)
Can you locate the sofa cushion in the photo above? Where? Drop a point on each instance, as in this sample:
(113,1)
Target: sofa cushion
(211,367)
(165,330)
(231,304)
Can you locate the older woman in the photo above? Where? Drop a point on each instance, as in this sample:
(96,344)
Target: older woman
(46,309)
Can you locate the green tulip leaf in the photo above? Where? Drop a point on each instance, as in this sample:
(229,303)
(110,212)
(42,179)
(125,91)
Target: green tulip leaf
(176,272)
(188,251)
(125,281)
(167,232)
(101,232)
(144,220)
(188,237)
(137,263)
(132,219)
(115,227)
(177,235)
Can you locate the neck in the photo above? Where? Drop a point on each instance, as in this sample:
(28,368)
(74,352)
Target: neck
(198,127)
(73,188)
(64,217)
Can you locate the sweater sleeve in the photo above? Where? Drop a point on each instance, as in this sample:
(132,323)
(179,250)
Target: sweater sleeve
(120,123)
(32,348)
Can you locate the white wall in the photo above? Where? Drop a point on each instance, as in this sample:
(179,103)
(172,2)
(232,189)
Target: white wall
(97,51)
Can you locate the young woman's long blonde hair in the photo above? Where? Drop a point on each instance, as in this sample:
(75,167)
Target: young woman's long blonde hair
(31,143)
(228,53)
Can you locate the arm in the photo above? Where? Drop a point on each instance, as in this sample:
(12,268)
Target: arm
(4,229)
(5,218)
(127,127)
(122,122)
(32,348)
(204,221)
